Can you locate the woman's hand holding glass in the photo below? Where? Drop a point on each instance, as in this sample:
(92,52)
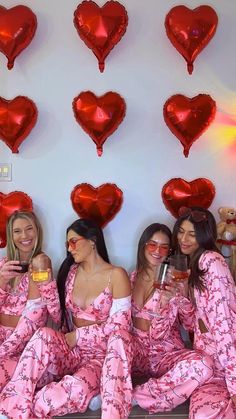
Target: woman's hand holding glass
(179,267)
(180,273)
(8,271)
(164,282)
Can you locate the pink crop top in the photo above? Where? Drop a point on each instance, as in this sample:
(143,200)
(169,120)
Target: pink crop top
(146,312)
(98,310)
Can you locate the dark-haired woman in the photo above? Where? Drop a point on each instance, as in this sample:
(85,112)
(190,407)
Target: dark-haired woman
(172,372)
(95,299)
(214,296)
(24,304)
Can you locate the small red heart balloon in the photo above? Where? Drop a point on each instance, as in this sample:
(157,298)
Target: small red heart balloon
(99,116)
(188,118)
(101,28)
(100,204)
(10,203)
(17,29)
(190,30)
(17,118)
(177,193)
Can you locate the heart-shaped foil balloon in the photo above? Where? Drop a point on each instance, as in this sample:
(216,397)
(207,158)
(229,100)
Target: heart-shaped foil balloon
(17,29)
(188,118)
(99,116)
(190,31)
(101,28)
(177,193)
(17,118)
(100,204)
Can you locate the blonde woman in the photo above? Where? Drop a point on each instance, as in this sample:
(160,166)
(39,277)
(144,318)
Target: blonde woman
(24,304)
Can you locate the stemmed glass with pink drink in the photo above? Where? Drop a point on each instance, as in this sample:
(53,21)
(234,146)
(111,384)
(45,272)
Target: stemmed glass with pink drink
(179,267)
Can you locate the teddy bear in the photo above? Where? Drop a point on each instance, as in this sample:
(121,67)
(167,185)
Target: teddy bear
(226,236)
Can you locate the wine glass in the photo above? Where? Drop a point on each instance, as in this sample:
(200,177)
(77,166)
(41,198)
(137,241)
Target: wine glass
(179,267)
(162,276)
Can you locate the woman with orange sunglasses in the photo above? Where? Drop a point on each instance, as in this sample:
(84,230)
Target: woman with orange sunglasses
(213,294)
(160,358)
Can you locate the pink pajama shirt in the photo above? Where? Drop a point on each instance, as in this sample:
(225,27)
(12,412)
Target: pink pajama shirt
(172,371)
(98,363)
(215,334)
(33,314)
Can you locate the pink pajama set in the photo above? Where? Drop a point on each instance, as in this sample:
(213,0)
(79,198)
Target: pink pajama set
(98,363)
(215,334)
(33,314)
(172,371)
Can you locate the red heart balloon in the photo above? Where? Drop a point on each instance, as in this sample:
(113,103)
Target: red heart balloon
(190,30)
(17,29)
(177,193)
(99,116)
(10,203)
(101,28)
(188,118)
(17,118)
(99,204)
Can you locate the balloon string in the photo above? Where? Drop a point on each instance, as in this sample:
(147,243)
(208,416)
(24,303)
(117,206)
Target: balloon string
(190,68)
(101,66)
(99,151)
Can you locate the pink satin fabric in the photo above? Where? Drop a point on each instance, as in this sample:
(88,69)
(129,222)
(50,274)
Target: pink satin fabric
(172,372)
(99,363)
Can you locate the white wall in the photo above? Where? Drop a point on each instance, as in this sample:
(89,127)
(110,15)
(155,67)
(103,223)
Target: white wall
(142,155)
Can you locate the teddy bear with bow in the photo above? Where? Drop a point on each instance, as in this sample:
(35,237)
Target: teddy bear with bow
(226,236)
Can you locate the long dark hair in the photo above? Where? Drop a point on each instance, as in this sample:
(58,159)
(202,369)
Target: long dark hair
(142,264)
(90,231)
(206,235)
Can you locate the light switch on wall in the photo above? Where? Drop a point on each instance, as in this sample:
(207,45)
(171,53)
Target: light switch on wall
(5,172)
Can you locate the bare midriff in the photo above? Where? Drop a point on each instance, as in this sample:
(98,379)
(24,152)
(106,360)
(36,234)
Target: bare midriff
(82,322)
(8,320)
(142,324)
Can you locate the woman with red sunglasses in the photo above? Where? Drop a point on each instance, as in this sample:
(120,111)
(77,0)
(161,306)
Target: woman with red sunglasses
(91,356)
(159,355)
(213,293)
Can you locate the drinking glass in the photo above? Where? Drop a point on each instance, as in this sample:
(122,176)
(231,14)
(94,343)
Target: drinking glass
(24,266)
(179,267)
(162,276)
(40,266)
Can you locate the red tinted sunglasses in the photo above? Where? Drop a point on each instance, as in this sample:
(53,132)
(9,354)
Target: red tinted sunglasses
(72,242)
(197,215)
(152,246)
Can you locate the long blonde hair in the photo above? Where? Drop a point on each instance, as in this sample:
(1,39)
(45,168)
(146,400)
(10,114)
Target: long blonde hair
(12,250)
